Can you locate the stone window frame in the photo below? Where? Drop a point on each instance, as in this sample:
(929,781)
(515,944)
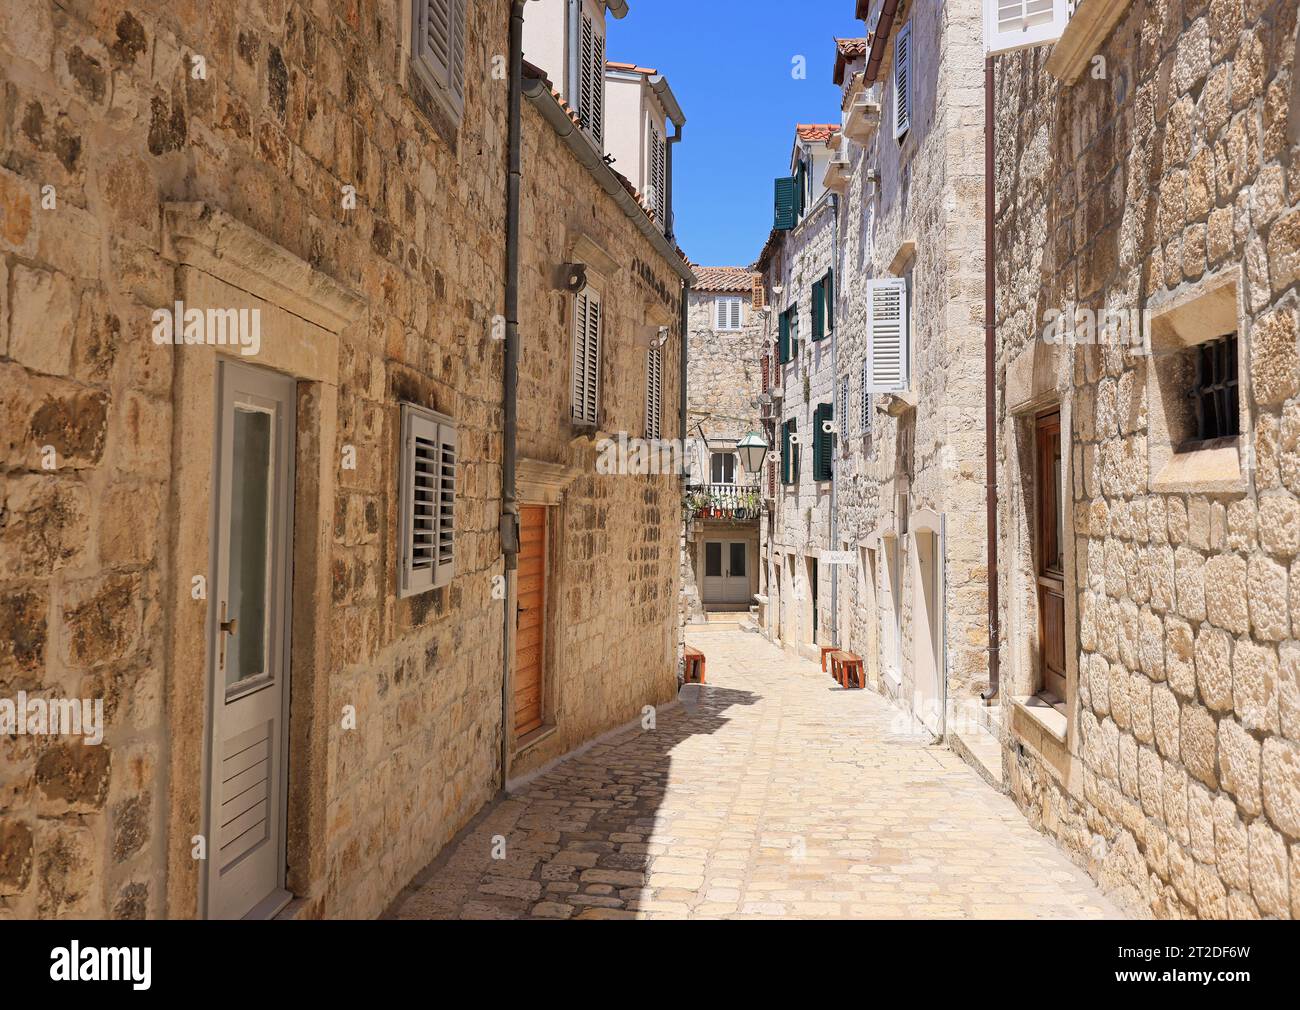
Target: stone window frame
(215,255)
(443,110)
(1188,317)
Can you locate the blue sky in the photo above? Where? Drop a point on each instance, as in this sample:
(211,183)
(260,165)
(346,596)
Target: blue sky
(729,64)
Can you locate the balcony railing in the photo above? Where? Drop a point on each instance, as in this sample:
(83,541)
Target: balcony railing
(723,501)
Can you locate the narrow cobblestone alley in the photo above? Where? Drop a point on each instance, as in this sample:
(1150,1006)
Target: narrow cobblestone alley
(775,794)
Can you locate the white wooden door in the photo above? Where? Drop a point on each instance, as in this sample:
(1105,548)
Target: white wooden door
(726,571)
(248,710)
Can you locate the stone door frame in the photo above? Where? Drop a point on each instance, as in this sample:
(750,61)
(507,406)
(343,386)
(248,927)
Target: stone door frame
(222,262)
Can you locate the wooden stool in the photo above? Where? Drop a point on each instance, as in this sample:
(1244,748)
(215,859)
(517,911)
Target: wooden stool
(694,667)
(827,649)
(848,668)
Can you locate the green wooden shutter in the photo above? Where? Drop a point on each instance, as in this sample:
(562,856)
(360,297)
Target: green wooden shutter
(785,453)
(787,203)
(822,441)
(783,329)
(828,288)
(800,179)
(818,311)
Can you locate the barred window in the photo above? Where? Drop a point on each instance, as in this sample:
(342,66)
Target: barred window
(1214,393)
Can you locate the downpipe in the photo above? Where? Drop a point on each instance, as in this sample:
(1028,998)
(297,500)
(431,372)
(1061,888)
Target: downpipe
(510,387)
(840,421)
(990,389)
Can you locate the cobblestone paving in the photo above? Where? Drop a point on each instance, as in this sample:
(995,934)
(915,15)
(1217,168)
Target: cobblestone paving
(772,794)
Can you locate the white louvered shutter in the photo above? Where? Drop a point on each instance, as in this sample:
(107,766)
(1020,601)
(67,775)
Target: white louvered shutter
(439,45)
(1020,24)
(591,83)
(653,391)
(427,531)
(658,161)
(737,309)
(866,396)
(903,80)
(586,357)
(887,334)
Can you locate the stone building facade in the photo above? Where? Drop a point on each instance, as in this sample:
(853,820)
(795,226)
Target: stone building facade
(289,159)
(1147,226)
(720,558)
(910,467)
(795,528)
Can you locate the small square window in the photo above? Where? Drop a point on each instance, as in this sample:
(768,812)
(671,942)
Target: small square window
(1214,415)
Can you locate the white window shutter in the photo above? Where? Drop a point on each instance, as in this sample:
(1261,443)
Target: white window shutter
(439,46)
(1020,24)
(658,160)
(737,313)
(586,357)
(887,334)
(903,80)
(427,516)
(591,84)
(866,396)
(719,313)
(653,391)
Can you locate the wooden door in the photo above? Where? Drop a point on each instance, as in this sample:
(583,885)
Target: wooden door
(530,616)
(1050,564)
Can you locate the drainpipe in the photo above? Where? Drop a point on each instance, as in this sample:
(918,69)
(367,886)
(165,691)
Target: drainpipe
(670,231)
(879,39)
(835,389)
(990,389)
(510,400)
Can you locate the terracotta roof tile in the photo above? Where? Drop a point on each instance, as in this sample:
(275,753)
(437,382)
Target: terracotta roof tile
(847,50)
(816,131)
(613,65)
(723,278)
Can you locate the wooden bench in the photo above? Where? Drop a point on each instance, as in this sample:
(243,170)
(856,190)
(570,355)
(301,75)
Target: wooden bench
(846,667)
(694,666)
(826,649)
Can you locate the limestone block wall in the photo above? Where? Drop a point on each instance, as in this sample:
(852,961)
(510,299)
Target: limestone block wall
(799,527)
(299,101)
(615,582)
(724,379)
(1178,778)
(930,195)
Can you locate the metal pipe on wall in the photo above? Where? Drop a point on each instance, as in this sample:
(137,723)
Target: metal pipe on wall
(990,388)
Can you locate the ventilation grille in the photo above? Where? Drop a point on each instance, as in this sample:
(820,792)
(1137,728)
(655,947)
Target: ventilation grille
(243,816)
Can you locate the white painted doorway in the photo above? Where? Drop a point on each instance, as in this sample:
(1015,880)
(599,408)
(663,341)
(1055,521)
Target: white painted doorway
(726,572)
(248,709)
(927,622)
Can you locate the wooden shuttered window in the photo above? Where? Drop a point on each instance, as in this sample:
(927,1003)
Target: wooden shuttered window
(789,453)
(786,214)
(658,166)
(1020,24)
(438,48)
(591,79)
(828,291)
(823,440)
(783,336)
(903,81)
(865,405)
(728,313)
(767,375)
(586,356)
(887,335)
(427,500)
(654,375)
(818,311)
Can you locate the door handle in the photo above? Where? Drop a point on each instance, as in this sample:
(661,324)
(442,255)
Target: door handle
(224,628)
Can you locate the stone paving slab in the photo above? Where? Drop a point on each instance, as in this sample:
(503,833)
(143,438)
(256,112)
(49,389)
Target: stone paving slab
(770,792)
